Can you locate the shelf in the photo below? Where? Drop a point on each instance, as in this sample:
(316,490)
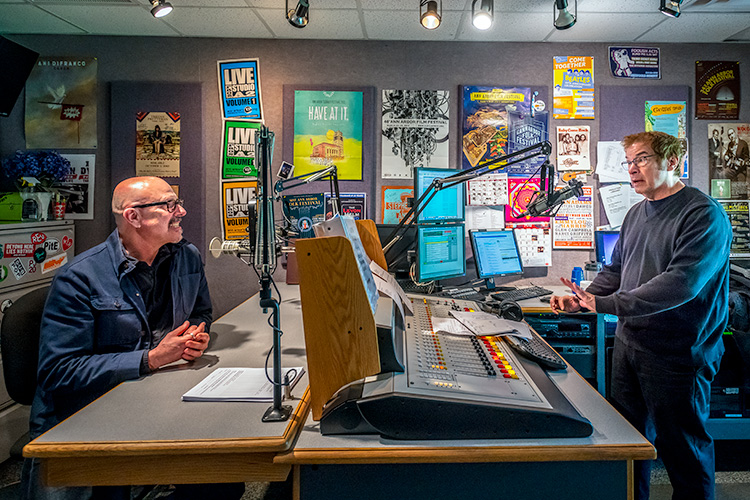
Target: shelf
(729,428)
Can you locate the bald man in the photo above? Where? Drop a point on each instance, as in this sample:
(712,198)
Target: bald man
(119,311)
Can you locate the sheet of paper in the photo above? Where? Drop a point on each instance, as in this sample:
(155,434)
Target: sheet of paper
(387,284)
(484,218)
(609,158)
(482,323)
(238,384)
(617,200)
(451,326)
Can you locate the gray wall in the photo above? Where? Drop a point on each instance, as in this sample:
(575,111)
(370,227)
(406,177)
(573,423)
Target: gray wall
(381,64)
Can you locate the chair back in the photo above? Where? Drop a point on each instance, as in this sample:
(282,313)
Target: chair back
(19,341)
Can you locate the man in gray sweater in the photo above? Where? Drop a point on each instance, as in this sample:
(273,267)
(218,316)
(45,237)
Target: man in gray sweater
(668,285)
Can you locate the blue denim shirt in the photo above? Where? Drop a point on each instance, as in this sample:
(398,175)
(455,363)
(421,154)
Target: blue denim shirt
(94,329)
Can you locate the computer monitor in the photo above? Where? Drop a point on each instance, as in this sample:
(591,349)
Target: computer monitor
(495,254)
(440,252)
(397,256)
(604,244)
(448,205)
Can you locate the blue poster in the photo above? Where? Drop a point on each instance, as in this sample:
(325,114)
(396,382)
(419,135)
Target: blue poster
(525,131)
(239,89)
(634,62)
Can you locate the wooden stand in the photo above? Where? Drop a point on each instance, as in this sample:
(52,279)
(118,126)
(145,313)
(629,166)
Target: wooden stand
(340,333)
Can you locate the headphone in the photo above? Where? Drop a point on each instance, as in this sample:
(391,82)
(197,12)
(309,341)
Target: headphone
(507,309)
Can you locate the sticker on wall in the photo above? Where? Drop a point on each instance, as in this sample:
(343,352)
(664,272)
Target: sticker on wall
(54,263)
(18,269)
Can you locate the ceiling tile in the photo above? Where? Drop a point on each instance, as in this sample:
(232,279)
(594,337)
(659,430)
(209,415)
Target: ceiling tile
(461,5)
(227,22)
(389,25)
(710,27)
(592,27)
(328,24)
(314,4)
(113,19)
(510,26)
(29,19)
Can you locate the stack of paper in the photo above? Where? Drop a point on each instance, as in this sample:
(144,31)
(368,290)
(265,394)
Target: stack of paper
(482,323)
(239,384)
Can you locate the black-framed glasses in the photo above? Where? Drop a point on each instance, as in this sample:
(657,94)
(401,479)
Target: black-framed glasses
(638,161)
(170,205)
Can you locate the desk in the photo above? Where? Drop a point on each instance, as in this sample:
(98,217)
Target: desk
(142,433)
(139,443)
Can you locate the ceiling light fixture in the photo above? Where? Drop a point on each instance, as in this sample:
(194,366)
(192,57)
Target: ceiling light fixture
(432,14)
(300,15)
(670,8)
(562,16)
(481,14)
(160,8)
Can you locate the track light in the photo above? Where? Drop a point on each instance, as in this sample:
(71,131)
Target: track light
(300,15)
(670,8)
(432,13)
(561,13)
(160,8)
(481,14)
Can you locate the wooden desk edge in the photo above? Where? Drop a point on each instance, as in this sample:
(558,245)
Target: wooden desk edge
(277,444)
(394,454)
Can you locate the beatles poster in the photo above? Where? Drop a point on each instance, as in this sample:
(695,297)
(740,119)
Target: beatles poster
(634,62)
(415,131)
(239,89)
(394,202)
(728,159)
(238,151)
(328,131)
(157,144)
(484,121)
(237,201)
(61,104)
(573,92)
(717,90)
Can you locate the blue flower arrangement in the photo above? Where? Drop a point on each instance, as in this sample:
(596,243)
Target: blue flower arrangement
(47,167)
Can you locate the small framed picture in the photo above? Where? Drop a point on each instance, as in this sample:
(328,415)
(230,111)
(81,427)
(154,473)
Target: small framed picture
(285,171)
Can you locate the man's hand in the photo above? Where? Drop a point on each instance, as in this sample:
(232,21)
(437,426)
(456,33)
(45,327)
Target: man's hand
(184,342)
(582,298)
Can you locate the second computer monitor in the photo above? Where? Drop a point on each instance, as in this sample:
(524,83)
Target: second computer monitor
(440,252)
(604,244)
(495,254)
(448,204)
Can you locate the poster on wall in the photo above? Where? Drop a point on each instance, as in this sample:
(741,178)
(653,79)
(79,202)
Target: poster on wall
(354,204)
(235,208)
(728,159)
(634,62)
(328,131)
(77,189)
(303,211)
(670,117)
(520,193)
(739,217)
(157,144)
(489,189)
(238,151)
(394,203)
(534,243)
(415,131)
(573,91)
(239,89)
(527,130)
(61,104)
(484,121)
(573,148)
(573,227)
(717,90)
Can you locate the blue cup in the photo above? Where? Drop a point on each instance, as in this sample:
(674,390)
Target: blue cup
(577,275)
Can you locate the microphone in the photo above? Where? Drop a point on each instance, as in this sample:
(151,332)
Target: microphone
(240,248)
(543,204)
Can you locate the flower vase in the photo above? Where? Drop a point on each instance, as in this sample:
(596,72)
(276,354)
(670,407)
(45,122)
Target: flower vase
(43,199)
(29,207)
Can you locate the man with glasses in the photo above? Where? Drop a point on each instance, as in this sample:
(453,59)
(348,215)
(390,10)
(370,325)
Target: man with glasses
(119,311)
(668,285)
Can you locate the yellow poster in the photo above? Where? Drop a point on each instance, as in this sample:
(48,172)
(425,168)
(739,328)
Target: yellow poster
(573,96)
(236,207)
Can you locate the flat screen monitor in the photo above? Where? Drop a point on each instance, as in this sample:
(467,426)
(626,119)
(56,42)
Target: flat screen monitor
(397,256)
(495,254)
(440,252)
(17,62)
(604,244)
(448,205)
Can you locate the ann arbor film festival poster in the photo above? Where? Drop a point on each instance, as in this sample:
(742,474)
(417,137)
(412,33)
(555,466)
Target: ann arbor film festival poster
(239,89)
(238,151)
(157,149)
(717,90)
(484,121)
(328,131)
(415,131)
(235,208)
(61,104)
(573,92)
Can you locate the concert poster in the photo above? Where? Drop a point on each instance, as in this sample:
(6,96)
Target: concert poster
(354,204)
(717,90)
(239,89)
(394,203)
(573,91)
(520,193)
(328,131)
(61,104)
(739,217)
(729,159)
(526,130)
(484,121)
(302,212)
(238,151)
(77,188)
(634,62)
(573,226)
(235,208)
(415,131)
(573,148)
(157,144)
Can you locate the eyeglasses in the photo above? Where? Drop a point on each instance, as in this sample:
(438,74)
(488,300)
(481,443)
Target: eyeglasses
(171,205)
(638,161)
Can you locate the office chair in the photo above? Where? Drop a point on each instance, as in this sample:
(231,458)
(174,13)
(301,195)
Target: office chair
(19,344)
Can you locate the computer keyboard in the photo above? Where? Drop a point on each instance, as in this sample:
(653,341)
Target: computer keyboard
(410,287)
(528,292)
(537,350)
(462,293)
